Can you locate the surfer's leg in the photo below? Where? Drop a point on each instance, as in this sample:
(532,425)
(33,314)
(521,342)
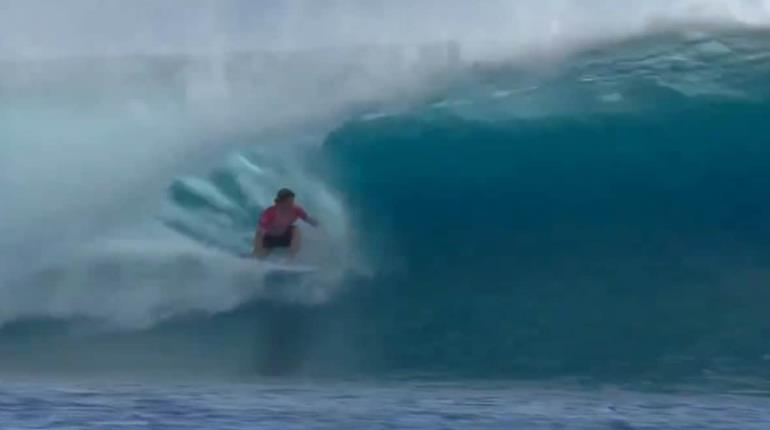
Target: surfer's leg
(261,252)
(296,242)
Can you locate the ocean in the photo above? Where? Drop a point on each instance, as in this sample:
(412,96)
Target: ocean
(569,231)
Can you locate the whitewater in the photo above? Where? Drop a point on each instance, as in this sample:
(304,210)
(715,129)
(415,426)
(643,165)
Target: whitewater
(559,205)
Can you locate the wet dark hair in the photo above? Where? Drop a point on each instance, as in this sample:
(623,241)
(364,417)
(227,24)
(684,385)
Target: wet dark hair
(283,195)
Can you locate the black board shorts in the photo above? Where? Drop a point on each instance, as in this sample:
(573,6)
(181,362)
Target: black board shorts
(281,241)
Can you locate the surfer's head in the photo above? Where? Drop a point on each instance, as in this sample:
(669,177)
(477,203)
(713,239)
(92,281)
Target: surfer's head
(284,196)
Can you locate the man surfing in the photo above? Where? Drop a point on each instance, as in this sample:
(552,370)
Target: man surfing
(276,226)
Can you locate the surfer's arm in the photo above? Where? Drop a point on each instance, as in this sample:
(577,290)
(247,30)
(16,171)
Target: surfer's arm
(305,217)
(312,221)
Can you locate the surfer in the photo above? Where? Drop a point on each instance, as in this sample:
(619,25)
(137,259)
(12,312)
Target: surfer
(276,226)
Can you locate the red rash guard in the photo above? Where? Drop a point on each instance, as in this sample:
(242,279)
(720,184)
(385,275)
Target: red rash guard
(274,223)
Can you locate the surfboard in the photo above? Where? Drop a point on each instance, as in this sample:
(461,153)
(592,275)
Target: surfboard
(275,267)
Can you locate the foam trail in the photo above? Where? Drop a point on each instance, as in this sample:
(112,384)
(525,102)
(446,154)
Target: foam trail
(133,283)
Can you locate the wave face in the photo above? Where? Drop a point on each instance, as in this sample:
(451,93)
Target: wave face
(602,216)
(597,243)
(626,234)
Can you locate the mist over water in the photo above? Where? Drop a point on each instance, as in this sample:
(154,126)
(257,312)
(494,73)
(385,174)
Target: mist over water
(51,29)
